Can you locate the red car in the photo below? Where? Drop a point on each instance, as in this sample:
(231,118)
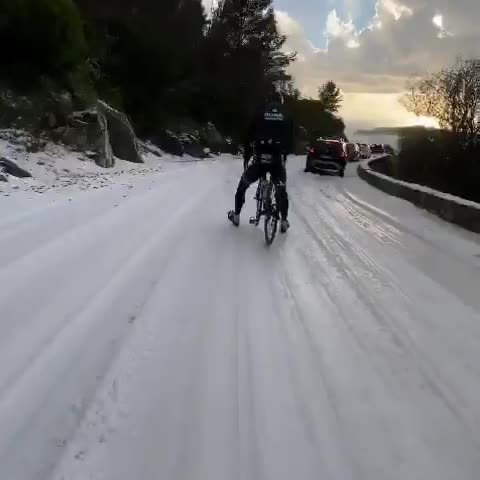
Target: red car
(327,156)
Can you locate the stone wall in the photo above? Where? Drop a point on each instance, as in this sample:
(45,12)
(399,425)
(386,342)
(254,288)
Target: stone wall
(453,209)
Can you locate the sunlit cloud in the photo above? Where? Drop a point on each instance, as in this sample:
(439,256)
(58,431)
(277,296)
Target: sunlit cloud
(403,40)
(397,10)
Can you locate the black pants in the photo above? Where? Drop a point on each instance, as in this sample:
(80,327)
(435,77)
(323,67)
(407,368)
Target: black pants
(253,173)
(247,154)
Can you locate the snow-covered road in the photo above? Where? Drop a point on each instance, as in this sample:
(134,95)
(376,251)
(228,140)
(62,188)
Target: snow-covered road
(142,337)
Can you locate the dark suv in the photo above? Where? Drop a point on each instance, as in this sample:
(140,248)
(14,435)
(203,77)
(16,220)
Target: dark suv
(377,149)
(388,149)
(327,156)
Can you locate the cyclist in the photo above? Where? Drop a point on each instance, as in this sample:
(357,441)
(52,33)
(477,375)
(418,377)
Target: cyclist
(271,132)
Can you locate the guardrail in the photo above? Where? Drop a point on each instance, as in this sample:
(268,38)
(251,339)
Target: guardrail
(453,209)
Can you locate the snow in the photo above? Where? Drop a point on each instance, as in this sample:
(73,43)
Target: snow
(421,188)
(56,168)
(142,336)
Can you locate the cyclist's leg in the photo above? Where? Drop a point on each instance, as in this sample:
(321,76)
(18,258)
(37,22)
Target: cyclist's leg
(251,175)
(247,154)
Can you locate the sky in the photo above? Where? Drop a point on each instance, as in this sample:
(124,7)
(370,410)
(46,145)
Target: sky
(372,48)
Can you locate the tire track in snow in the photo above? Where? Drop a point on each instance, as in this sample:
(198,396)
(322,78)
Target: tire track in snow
(43,372)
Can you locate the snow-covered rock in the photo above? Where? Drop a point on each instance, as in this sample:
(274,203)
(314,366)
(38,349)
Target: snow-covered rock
(169,142)
(105,158)
(10,167)
(122,137)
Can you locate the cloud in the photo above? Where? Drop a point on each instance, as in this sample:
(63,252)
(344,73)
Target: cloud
(336,28)
(397,10)
(404,39)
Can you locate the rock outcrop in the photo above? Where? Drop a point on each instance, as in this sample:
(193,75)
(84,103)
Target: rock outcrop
(103,132)
(105,158)
(122,137)
(10,167)
(192,146)
(230,147)
(168,142)
(212,139)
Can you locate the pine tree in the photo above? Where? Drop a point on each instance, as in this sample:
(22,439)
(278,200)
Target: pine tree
(148,53)
(251,25)
(244,57)
(330,97)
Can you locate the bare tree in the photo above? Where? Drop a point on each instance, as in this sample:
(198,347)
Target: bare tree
(452,96)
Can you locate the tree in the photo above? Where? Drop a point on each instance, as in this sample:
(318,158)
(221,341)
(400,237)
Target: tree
(330,97)
(452,96)
(148,54)
(243,58)
(44,37)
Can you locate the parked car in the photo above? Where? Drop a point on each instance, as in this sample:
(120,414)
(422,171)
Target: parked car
(353,152)
(327,156)
(365,151)
(377,149)
(388,149)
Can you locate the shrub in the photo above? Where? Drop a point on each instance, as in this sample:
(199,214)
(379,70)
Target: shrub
(440,160)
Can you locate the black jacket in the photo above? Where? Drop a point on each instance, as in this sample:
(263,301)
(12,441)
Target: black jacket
(272,122)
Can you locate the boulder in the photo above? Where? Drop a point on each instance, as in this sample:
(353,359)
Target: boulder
(212,138)
(168,142)
(148,147)
(123,140)
(194,148)
(84,116)
(92,155)
(230,147)
(13,169)
(35,145)
(84,131)
(106,158)
(87,131)
(3,178)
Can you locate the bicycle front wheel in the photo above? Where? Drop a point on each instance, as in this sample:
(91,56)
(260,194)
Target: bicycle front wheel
(271,220)
(270,228)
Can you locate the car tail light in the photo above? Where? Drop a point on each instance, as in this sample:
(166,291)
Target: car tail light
(312,151)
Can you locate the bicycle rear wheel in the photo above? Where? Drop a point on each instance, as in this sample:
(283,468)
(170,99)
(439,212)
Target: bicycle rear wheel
(259,197)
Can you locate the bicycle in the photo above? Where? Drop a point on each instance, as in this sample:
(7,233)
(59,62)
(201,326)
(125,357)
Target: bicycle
(267,207)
